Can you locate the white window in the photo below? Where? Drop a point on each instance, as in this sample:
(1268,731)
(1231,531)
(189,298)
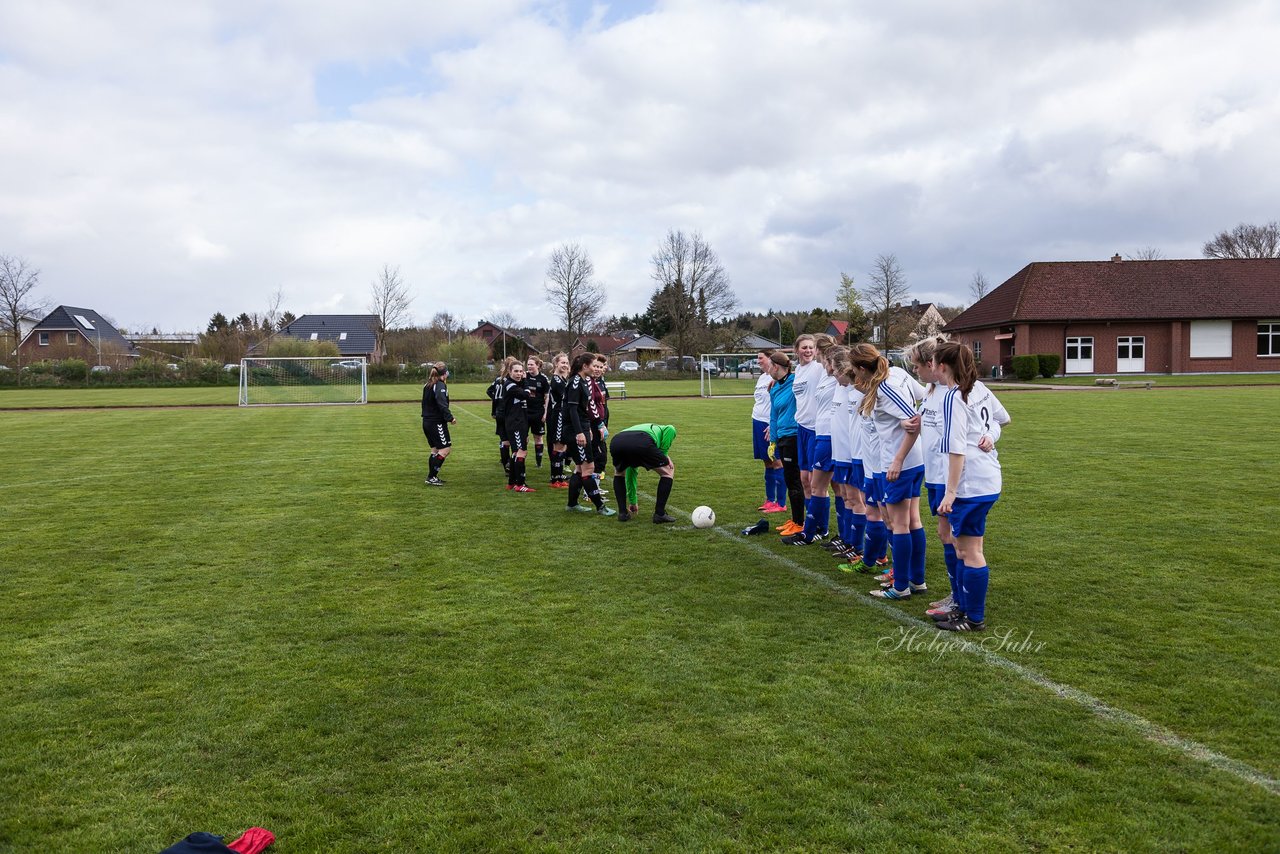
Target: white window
(1131,354)
(1269,338)
(1079,348)
(342,336)
(72,339)
(84,321)
(315,336)
(44,339)
(977,351)
(1211,339)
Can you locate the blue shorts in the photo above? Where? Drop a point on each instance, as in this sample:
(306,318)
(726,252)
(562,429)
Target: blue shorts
(907,486)
(759,444)
(873,487)
(840,472)
(805,439)
(969,516)
(935,491)
(856,474)
(822,454)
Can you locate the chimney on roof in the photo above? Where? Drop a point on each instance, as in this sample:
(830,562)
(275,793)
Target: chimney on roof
(915,303)
(1116,259)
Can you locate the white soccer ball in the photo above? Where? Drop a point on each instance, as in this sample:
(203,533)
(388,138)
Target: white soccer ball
(703,517)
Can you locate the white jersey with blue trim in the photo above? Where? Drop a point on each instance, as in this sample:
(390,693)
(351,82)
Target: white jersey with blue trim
(762,408)
(822,404)
(872,462)
(855,425)
(896,402)
(935,459)
(984,406)
(841,439)
(963,426)
(805,387)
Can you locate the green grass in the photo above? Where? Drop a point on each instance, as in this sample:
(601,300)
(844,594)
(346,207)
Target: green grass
(212,618)
(1166,380)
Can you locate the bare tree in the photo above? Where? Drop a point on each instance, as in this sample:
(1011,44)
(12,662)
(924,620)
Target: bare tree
(886,289)
(1246,241)
(572,289)
(693,288)
(17,281)
(979,286)
(1147,253)
(506,344)
(448,324)
(389,299)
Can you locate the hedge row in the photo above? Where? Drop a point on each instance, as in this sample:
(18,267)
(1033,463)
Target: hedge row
(1046,365)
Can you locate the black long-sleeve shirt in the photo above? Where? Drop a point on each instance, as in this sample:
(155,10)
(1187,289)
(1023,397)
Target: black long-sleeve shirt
(495,394)
(577,401)
(435,403)
(559,387)
(538,386)
(515,400)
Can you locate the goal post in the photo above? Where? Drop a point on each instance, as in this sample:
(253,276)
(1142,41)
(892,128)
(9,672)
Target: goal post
(727,374)
(303,381)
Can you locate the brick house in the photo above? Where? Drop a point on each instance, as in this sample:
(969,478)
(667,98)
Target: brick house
(68,332)
(503,342)
(354,334)
(1117,316)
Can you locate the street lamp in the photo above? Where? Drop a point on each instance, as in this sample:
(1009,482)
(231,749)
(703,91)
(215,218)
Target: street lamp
(779,319)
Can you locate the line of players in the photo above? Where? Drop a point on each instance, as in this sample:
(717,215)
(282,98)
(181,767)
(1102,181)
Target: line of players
(841,419)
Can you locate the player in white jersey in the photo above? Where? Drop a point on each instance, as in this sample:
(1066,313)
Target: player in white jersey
(775,484)
(848,500)
(920,357)
(890,402)
(974,478)
(807,374)
(818,512)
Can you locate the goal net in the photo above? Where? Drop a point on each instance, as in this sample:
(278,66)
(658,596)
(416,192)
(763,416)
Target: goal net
(303,381)
(725,374)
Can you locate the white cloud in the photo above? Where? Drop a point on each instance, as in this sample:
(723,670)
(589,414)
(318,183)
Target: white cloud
(166,162)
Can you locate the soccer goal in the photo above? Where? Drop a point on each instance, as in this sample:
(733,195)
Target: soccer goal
(303,381)
(727,374)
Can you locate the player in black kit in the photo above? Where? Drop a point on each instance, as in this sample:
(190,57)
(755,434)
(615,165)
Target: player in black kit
(538,384)
(498,414)
(436,419)
(578,406)
(516,400)
(558,420)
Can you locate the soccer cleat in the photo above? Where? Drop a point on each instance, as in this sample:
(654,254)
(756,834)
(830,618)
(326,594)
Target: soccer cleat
(884,561)
(764,506)
(624,516)
(581,508)
(773,507)
(790,529)
(847,567)
(919,588)
(434,481)
(523,488)
(662,518)
(944,604)
(607,511)
(962,624)
(891,593)
(799,539)
(835,544)
(510,486)
(952,613)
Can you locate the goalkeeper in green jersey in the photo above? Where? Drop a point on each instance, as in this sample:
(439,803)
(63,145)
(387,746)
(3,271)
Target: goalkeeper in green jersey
(642,446)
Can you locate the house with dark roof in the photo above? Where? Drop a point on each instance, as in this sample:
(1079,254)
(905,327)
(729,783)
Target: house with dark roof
(354,334)
(1118,316)
(68,332)
(604,344)
(503,342)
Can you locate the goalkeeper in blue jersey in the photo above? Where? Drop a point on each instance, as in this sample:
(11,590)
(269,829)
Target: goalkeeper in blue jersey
(643,446)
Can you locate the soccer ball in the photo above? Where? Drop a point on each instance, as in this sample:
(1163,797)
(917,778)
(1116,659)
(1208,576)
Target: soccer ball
(703,517)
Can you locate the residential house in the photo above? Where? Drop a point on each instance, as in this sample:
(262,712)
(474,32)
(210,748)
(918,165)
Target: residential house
(1118,316)
(503,342)
(68,332)
(354,334)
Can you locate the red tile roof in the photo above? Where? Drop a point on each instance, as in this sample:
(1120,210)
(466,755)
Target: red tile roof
(1130,290)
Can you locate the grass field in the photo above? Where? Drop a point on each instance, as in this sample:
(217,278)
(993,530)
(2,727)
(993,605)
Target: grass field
(214,618)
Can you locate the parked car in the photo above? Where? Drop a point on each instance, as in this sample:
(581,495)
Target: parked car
(628,366)
(174,366)
(346,363)
(231,366)
(749,367)
(101,369)
(711,367)
(656,365)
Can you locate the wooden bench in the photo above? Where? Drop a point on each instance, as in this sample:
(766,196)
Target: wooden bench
(616,388)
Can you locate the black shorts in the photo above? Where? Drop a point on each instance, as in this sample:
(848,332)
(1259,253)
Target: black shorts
(634,449)
(558,429)
(500,429)
(581,454)
(437,433)
(517,433)
(537,426)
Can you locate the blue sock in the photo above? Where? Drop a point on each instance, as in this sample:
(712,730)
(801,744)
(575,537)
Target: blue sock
(858,525)
(901,561)
(840,513)
(958,591)
(879,541)
(768,485)
(919,544)
(949,557)
(975,592)
(822,515)
(810,521)
(779,487)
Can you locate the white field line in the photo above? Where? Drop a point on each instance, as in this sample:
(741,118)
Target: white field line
(1142,726)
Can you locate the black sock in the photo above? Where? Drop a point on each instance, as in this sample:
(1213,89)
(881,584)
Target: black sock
(557,466)
(664,492)
(505,451)
(537,451)
(620,492)
(520,472)
(575,488)
(433,467)
(511,472)
(593,492)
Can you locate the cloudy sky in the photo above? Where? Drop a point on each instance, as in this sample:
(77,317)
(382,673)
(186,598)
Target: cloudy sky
(163,161)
